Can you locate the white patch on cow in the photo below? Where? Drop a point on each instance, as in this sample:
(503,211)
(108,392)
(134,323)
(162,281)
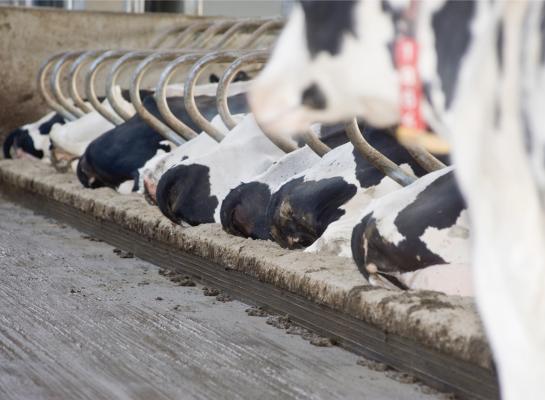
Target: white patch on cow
(285,168)
(452,279)
(452,243)
(126,187)
(74,137)
(386,209)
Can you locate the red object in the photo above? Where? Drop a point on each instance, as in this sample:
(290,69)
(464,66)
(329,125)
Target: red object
(410,85)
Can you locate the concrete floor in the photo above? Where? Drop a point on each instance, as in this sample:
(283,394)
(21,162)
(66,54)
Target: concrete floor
(79,322)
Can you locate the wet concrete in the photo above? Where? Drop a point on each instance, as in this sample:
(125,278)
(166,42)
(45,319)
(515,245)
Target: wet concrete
(80,321)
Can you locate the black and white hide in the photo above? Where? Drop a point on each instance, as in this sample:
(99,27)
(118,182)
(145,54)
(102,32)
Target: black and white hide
(244,210)
(70,140)
(114,158)
(193,190)
(417,237)
(32,140)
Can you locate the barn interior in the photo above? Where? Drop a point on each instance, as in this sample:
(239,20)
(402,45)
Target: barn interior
(148,333)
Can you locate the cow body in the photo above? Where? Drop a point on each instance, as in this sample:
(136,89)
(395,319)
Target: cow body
(32,140)
(482,68)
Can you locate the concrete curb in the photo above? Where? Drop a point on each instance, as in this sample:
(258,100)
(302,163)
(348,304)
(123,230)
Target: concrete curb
(447,324)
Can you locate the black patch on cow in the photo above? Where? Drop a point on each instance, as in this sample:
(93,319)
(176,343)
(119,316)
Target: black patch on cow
(45,128)
(10,141)
(24,142)
(333,135)
(358,250)
(244,211)
(499,45)
(183,194)
(240,76)
(86,175)
(314,98)
(451,25)
(301,211)
(437,206)
(326,23)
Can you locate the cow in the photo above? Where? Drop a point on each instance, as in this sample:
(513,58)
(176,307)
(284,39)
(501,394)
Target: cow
(244,210)
(114,158)
(481,66)
(304,206)
(154,168)
(70,141)
(193,191)
(416,237)
(32,140)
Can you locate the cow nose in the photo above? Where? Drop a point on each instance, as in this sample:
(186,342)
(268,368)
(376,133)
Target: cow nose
(313,97)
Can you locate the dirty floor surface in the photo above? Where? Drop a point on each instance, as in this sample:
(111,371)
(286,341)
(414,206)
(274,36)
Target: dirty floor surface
(78,321)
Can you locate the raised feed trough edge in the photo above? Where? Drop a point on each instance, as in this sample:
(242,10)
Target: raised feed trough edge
(437,338)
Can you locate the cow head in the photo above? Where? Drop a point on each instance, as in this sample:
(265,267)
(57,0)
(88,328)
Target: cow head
(332,61)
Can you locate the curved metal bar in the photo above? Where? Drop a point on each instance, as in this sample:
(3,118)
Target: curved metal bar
(43,88)
(189,90)
(259,32)
(149,118)
(55,84)
(236,28)
(113,75)
(254,57)
(90,85)
(315,143)
(73,73)
(423,157)
(183,38)
(182,31)
(375,157)
(213,30)
(258,56)
(160,96)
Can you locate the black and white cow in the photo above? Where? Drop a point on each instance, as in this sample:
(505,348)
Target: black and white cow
(481,65)
(32,140)
(244,210)
(303,207)
(417,237)
(115,157)
(193,190)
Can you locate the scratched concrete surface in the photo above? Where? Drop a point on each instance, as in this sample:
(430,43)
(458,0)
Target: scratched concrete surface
(79,322)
